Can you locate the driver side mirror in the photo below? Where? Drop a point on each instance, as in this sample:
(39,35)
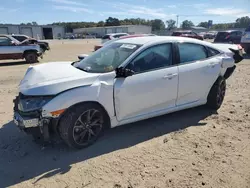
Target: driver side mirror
(123,72)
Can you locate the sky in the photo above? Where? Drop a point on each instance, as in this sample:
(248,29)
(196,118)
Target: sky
(49,11)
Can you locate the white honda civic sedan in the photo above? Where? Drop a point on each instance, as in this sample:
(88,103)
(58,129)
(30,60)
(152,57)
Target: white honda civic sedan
(126,81)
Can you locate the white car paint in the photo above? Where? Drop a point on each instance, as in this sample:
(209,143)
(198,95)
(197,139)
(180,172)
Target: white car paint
(130,99)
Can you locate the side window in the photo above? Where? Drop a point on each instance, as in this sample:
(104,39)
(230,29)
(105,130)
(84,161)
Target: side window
(20,38)
(152,58)
(239,33)
(233,34)
(191,52)
(4,41)
(212,52)
(193,33)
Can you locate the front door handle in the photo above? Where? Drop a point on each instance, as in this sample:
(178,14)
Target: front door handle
(170,76)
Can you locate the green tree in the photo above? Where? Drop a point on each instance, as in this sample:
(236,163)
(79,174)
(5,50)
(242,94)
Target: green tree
(186,24)
(242,22)
(157,24)
(34,23)
(100,24)
(112,22)
(170,24)
(203,24)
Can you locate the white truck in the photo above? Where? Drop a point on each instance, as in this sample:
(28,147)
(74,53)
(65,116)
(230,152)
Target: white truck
(10,48)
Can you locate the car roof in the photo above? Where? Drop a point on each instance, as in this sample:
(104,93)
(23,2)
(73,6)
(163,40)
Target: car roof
(159,39)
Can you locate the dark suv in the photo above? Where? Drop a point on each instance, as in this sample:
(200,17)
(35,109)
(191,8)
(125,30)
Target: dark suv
(232,37)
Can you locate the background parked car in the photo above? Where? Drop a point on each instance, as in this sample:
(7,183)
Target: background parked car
(43,45)
(210,35)
(189,34)
(202,34)
(245,40)
(10,48)
(111,36)
(233,37)
(122,37)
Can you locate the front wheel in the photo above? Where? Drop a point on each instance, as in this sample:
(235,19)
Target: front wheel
(217,94)
(81,126)
(31,57)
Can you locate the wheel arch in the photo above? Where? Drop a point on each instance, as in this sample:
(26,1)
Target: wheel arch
(56,123)
(29,51)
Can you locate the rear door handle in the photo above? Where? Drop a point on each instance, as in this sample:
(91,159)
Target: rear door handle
(170,76)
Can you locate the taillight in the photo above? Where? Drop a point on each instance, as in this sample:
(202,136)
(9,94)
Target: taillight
(239,46)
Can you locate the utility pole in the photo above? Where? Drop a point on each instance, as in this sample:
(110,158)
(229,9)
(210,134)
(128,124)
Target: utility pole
(177,19)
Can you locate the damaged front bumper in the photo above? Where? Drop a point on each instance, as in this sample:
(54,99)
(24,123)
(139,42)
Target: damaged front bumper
(33,122)
(25,122)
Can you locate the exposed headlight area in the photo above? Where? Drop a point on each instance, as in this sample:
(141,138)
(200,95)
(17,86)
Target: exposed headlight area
(33,103)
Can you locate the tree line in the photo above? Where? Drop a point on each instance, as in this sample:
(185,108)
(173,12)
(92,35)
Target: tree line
(156,24)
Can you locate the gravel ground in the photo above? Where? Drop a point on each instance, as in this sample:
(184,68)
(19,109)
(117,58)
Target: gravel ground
(191,148)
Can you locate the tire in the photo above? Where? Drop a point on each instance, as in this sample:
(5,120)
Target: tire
(43,49)
(217,93)
(31,57)
(82,125)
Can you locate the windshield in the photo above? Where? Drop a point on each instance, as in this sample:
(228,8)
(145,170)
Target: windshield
(107,58)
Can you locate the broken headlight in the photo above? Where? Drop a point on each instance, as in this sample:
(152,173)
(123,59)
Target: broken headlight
(32,104)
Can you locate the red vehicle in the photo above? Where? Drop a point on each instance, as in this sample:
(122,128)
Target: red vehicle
(123,37)
(189,34)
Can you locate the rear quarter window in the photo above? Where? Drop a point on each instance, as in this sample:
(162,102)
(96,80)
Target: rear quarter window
(212,52)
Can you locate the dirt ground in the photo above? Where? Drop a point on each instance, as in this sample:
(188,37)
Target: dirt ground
(192,148)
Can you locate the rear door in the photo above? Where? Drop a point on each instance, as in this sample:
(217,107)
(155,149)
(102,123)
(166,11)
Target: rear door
(198,71)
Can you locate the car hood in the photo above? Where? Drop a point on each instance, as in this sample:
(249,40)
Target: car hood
(53,78)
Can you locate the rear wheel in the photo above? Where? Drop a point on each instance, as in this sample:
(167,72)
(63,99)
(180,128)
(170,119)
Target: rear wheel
(31,57)
(81,126)
(217,94)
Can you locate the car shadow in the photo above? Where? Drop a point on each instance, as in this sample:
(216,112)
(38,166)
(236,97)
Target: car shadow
(13,63)
(21,159)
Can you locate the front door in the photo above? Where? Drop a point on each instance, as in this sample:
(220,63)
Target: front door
(198,70)
(151,89)
(8,50)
